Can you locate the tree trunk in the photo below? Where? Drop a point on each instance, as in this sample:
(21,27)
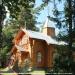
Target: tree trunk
(74,14)
(70,34)
(1,20)
(2,16)
(70,23)
(0,33)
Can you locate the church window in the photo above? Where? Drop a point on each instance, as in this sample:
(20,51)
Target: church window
(39,56)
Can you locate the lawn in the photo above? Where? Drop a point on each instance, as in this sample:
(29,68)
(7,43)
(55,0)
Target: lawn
(36,72)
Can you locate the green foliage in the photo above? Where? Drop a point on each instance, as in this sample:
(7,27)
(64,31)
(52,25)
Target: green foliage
(39,8)
(14,6)
(7,40)
(9,32)
(26,19)
(21,10)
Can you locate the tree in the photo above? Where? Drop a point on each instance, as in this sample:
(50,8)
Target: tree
(2,16)
(14,7)
(27,19)
(68,22)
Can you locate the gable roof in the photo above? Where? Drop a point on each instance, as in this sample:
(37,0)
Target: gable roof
(41,36)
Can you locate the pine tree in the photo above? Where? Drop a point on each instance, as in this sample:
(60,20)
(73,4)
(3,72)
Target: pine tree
(69,21)
(14,7)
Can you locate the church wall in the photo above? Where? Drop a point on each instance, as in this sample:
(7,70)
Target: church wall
(50,56)
(47,53)
(44,31)
(38,46)
(49,31)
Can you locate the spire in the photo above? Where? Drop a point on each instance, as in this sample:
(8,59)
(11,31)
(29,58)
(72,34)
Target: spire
(49,28)
(48,23)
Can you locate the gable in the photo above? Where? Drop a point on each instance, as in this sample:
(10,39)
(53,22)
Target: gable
(24,40)
(18,37)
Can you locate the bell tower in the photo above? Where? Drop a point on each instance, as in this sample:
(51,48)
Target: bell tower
(48,28)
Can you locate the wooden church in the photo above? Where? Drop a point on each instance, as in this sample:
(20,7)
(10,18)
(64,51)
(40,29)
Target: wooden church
(38,47)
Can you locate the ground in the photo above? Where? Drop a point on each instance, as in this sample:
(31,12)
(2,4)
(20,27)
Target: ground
(7,71)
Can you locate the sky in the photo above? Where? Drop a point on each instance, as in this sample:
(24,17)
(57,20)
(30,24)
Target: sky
(44,13)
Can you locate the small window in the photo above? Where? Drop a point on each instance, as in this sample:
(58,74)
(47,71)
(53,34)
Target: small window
(39,56)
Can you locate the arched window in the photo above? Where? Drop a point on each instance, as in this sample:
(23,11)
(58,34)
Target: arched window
(39,57)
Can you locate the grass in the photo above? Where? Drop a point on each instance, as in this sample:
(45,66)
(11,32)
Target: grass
(38,72)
